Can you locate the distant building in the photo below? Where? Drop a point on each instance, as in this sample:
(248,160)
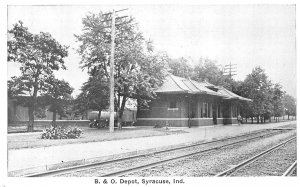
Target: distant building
(184,102)
(17,112)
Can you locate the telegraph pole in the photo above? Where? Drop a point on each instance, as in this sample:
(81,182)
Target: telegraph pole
(230,69)
(112,81)
(111,72)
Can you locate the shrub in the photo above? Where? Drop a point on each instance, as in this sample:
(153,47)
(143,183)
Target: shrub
(61,133)
(160,125)
(157,126)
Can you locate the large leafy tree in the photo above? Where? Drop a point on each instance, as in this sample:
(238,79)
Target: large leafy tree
(137,70)
(207,70)
(180,67)
(80,105)
(38,55)
(290,105)
(96,92)
(258,87)
(59,96)
(204,70)
(277,104)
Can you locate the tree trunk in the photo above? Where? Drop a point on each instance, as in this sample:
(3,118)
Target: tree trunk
(119,99)
(32,109)
(257,119)
(138,107)
(86,115)
(99,114)
(54,119)
(288,117)
(251,120)
(121,112)
(31,119)
(33,103)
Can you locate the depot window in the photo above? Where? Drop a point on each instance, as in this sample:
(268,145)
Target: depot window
(234,110)
(209,110)
(205,110)
(172,104)
(219,111)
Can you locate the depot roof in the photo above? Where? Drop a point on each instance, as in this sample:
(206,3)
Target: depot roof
(174,84)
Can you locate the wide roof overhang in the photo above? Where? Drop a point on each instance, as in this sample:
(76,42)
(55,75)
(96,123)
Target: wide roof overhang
(179,85)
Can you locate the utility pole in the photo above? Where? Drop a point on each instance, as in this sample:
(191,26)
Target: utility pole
(112,81)
(230,69)
(111,71)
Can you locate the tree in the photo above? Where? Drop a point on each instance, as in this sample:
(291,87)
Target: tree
(207,70)
(277,104)
(204,70)
(59,96)
(180,67)
(96,91)
(290,105)
(80,105)
(132,55)
(15,87)
(257,87)
(39,55)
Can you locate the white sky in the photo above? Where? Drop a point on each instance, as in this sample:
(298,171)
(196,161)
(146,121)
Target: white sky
(246,35)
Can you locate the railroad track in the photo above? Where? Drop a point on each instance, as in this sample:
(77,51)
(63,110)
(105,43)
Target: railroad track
(151,165)
(248,137)
(241,165)
(290,170)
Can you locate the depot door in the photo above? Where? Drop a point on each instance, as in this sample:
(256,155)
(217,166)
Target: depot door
(192,110)
(214,113)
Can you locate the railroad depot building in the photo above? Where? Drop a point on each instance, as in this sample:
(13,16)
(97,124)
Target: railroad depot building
(184,102)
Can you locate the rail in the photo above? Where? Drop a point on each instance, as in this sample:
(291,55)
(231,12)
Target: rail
(252,159)
(129,170)
(290,170)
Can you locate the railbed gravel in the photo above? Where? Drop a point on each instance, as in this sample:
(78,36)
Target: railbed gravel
(288,126)
(212,163)
(103,169)
(294,173)
(274,163)
(100,170)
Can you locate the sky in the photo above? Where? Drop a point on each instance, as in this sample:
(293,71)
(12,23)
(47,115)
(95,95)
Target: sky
(246,35)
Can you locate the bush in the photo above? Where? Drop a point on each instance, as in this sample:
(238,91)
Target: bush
(157,126)
(160,125)
(61,133)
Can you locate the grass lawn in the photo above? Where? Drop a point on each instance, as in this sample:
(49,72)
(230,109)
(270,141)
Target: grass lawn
(33,140)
